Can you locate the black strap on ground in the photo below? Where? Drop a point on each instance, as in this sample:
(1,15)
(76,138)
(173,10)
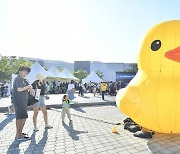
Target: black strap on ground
(90,118)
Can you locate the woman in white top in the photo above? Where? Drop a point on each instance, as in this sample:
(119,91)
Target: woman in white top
(71,90)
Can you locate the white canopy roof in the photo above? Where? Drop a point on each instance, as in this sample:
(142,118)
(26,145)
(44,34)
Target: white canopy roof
(67,75)
(35,69)
(93,77)
(53,70)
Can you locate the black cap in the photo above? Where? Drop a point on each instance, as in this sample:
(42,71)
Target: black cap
(23,68)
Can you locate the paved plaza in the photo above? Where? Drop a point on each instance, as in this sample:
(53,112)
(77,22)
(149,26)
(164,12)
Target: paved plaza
(56,99)
(90,132)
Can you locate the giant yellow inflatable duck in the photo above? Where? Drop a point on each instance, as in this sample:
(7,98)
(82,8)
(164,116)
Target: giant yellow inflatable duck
(152,98)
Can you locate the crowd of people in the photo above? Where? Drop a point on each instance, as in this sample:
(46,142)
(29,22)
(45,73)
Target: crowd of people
(110,88)
(57,87)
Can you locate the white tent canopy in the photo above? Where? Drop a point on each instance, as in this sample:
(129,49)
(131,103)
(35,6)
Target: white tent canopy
(93,77)
(35,69)
(67,75)
(53,70)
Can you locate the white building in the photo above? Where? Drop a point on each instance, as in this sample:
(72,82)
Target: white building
(109,69)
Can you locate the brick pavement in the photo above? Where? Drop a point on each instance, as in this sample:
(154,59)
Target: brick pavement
(90,133)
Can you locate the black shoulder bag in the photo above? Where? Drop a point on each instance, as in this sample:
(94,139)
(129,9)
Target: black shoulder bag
(31,99)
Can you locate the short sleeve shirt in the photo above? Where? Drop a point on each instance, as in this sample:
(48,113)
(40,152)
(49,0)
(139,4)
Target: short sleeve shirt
(20,97)
(35,85)
(65,103)
(70,86)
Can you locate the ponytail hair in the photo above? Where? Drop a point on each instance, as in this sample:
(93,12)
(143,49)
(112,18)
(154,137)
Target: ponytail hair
(64,98)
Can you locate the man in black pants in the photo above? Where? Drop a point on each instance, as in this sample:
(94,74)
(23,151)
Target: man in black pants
(80,89)
(103,89)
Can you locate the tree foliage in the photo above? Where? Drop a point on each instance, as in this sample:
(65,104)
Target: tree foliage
(133,68)
(80,74)
(60,69)
(10,65)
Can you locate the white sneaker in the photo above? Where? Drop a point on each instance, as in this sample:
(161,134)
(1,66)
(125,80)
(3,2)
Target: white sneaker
(36,129)
(48,127)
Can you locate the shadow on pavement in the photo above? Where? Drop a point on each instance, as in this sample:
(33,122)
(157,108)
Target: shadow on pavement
(98,96)
(72,132)
(79,109)
(8,119)
(33,146)
(14,147)
(87,97)
(164,142)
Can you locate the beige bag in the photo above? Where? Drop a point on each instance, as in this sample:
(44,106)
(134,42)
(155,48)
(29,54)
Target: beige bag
(73,91)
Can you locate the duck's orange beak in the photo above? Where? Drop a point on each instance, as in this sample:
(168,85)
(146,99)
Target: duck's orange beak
(173,54)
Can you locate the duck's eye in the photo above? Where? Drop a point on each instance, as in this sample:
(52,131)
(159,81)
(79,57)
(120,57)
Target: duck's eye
(155,45)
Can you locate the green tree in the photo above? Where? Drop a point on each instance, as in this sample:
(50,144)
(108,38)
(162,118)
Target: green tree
(10,65)
(60,69)
(100,74)
(133,68)
(80,74)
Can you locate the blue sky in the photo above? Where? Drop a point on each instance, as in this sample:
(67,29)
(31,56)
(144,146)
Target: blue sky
(69,30)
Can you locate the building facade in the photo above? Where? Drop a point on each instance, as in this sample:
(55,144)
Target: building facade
(82,65)
(109,70)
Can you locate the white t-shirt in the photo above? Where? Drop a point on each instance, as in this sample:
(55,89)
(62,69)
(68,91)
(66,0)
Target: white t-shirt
(70,86)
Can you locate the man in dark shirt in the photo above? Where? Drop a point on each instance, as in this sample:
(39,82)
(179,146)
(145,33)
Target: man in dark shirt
(20,100)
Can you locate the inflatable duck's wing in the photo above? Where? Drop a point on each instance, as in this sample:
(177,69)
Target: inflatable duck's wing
(129,101)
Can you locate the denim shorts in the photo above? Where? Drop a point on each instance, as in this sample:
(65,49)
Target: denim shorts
(40,103)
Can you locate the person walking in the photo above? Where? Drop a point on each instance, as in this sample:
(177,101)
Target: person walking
(47,88)
(9,89)
(80,89)
(20,100)
(94,90)
(39,84)
(65,108)
(71,90)
(103,89)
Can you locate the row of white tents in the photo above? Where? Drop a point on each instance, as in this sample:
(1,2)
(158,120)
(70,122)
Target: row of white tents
(51,74)
(54,74)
